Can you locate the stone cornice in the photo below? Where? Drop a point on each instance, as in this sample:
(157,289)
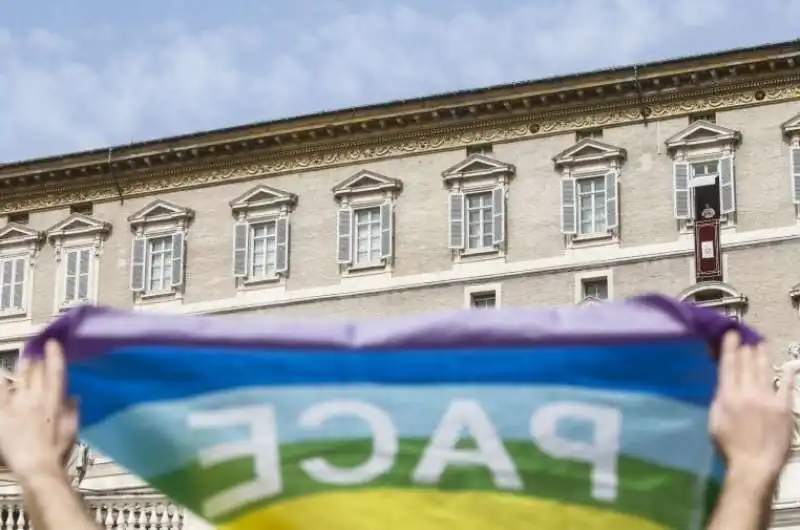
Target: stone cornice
(512,112)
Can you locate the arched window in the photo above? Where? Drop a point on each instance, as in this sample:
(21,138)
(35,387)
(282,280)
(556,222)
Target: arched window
(717,295)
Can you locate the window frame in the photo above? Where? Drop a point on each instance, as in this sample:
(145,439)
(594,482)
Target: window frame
(77,232)
(261,205)
(686,150)
(66,300)
(17,260)
(159,219)
(732,301)
(370,224)
(482,209)
(9,369)
(589,158)
(470,291)
(24,243)
(590,177)
(791,134)
(477,174)
(362,191)
(582,278)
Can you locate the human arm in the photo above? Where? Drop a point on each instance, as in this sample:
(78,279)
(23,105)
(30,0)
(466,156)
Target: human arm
(752,426)
(51,503)
(38,427)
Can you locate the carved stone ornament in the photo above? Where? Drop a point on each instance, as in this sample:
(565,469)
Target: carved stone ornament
(78,464)
(793,352)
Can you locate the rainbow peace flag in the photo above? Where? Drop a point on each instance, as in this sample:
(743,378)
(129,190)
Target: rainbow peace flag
(587,417)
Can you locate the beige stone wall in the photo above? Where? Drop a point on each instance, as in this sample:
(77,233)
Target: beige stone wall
(763,193)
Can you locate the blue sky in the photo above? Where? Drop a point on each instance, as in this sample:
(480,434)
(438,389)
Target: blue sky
(81,74)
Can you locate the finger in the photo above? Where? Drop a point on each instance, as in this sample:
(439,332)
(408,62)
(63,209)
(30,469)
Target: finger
(748,367)
(34,375)
(786,388)
(728,379)
(22,371)
(764,373)
(53,375)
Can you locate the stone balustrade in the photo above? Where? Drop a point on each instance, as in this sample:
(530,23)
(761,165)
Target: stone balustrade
(111,514)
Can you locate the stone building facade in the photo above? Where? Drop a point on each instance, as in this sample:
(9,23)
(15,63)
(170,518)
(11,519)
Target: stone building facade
(559,191)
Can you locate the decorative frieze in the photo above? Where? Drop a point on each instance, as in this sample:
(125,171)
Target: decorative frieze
(188,172)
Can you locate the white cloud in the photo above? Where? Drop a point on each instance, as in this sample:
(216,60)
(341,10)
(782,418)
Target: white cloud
(64,92)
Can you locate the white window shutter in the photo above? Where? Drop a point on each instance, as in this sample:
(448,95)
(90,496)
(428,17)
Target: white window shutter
(456,209)
(19,282)
(138,260)
(680,189)
(796,174)
(612,199)
(344,236)
(568,210)
(84,272)
(727,188)
(241,236)
(387,230)
(499,215)
(178,258)
(282,245)
(71,275)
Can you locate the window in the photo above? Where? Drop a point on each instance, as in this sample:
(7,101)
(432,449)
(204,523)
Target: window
(590,172)
(477,220)
(19,244)
(483,296)
(365,235)
(365,223)
(158,250)
(76,277)
(595,288)
(480,220)
(368,236)
(20,218)
(791,132)
(85,208)
(261,235)
(703,172)
(591,205)
(159,264)
(719,296)
(477,206)
(483,300)
(596,134)
(8,360)
(704,189)
(261,248)
(78,242)
(12,283)
(482,149)
(263,242)
(709,117)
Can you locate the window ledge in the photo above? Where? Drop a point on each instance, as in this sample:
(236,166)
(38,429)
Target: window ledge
(157,297)
(478,261)
(275,279)
(66,306)
(359,271)
(604,238)
(480,254)
(17,313)
(725,223)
